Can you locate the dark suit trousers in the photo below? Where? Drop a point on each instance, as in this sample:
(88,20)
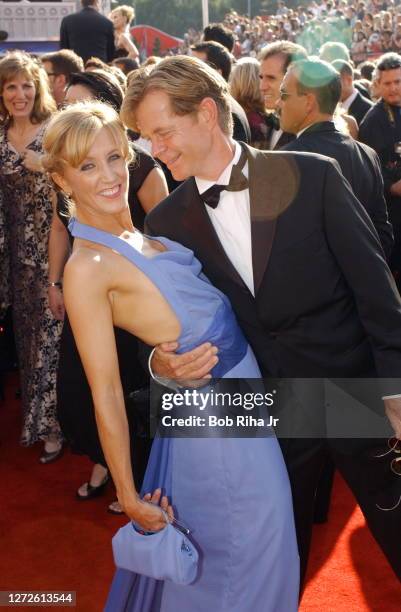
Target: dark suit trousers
(369,478)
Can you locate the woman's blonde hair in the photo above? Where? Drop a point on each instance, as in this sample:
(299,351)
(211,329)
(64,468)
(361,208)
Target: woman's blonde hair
(18,63)
(244,85)
(126,11)
(71,133)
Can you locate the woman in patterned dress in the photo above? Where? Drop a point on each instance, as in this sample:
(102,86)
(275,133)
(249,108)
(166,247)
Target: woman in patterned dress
(25,107)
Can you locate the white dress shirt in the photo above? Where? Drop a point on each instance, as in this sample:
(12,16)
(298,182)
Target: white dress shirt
(274,138)
(232,223)
(232,220)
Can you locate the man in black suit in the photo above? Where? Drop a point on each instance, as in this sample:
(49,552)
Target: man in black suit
(309,95)
(88,33)
(274,60)
(299,259)
(381,130)
(352,101)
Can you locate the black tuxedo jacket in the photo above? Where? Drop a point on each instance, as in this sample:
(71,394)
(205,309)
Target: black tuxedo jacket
(377,132)
(88,33)
(360,107)
(363,90)
(325,303)
(361,167)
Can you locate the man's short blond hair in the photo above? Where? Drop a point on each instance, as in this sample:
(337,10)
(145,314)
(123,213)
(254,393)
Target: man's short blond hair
(187,81)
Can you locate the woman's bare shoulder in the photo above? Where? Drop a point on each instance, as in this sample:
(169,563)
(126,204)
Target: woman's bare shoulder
(88,266)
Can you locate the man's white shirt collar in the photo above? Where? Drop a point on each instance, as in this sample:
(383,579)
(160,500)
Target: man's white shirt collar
(348,101)
(307,128)
(302,131)
(224,178)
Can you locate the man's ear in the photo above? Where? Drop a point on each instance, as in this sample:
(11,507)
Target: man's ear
(208,112)
(311,102)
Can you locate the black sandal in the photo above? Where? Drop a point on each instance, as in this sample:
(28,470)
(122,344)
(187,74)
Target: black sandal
(50,456)
(93,491)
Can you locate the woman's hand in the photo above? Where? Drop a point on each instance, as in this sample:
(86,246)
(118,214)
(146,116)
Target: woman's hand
(32,161)
(150,512)
(56,303)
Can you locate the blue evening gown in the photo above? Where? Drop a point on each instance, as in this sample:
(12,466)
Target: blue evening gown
(233,493)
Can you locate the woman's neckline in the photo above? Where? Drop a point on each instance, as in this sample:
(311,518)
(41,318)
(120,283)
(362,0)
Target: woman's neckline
(31,141)
(125,240)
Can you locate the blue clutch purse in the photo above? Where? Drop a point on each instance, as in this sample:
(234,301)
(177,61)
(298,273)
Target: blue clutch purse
(165,555)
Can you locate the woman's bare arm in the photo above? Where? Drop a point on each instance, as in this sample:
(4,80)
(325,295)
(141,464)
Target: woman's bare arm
(153,190)
(86,288)
(58,251)
(126,42)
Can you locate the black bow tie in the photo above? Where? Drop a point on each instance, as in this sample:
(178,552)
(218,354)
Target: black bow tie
(272,121)
(238,182)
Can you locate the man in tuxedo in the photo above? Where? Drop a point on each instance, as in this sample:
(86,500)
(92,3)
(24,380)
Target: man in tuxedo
(381,130)
(309,95)
(296,254)
(88,33)
(274,60)
(352,101)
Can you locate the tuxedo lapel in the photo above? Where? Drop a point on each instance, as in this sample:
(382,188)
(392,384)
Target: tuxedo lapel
(263,196)
(203,237)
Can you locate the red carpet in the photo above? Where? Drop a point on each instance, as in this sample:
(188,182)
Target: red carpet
(50,541)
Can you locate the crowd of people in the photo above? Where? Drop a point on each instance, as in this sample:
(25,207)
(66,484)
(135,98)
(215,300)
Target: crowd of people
(367,28)
(302,246)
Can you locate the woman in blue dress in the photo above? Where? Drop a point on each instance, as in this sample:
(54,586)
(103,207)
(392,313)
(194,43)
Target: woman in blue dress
(233,493)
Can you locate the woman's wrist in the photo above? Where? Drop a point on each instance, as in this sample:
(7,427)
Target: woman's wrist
(131,504)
